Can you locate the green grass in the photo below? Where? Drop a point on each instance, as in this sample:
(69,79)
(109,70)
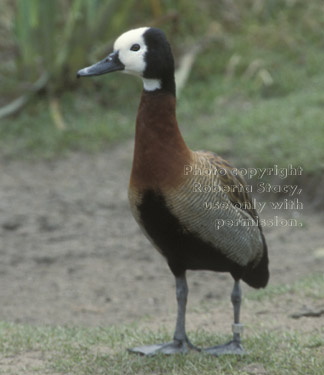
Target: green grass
(261,133)
(309,287)
(90,126)
(103,350)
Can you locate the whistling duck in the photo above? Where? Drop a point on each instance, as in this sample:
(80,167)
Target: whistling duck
(192,206)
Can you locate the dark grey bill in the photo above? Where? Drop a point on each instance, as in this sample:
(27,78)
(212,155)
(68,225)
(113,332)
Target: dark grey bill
(110,64)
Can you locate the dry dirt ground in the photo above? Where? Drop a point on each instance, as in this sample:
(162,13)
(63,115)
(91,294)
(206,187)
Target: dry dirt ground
(71,253)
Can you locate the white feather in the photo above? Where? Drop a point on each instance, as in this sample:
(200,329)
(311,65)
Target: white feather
(151,84)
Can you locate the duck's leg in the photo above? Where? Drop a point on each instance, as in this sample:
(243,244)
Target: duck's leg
(234,346)
(180,343)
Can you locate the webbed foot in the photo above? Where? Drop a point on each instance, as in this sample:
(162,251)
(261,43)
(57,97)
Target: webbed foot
(174,347)
(232,347)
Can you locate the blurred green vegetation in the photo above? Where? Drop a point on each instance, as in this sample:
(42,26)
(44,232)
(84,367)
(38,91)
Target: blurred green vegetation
(255,93)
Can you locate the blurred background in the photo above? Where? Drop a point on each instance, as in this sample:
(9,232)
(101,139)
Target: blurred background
(256,81)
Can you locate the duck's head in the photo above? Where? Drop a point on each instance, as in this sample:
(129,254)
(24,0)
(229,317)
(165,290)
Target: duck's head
(144,52)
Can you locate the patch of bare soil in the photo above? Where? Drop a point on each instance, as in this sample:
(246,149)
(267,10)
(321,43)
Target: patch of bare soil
(71,253)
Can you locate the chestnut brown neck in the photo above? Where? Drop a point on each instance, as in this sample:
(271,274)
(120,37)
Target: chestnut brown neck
(160,152)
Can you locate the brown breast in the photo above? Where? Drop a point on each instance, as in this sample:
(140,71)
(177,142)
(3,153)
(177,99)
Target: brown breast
(160,152)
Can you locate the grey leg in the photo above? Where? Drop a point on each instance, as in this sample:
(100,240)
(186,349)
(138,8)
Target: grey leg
(182,294)
(234,346)
(180,343)
(236,299)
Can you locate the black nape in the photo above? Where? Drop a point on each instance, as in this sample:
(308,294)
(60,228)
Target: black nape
(159,59)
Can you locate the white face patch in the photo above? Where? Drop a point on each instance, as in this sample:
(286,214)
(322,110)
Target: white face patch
(133,60)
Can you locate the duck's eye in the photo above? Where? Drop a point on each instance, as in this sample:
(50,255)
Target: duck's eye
(135,47)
